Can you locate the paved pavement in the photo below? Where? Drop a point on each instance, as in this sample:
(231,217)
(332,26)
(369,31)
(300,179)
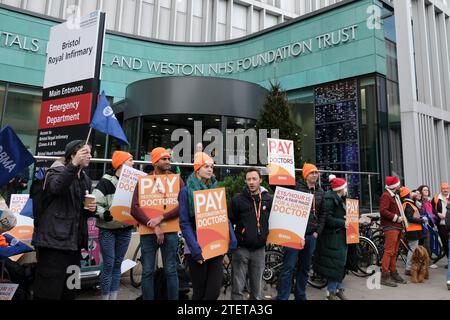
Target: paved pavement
(355,288)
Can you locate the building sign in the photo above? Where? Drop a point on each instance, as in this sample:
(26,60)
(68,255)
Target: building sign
(293,50)
(13,40)
(71,82)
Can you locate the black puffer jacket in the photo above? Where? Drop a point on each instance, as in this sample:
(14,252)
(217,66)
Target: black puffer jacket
(242,214)
(317,217)
(63,224)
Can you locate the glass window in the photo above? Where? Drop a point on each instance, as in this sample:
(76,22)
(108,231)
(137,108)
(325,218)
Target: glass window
(302,111)
(23,106)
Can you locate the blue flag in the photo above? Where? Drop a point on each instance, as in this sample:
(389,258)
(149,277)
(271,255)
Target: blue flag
(27,210)
(105,121)
(14,157)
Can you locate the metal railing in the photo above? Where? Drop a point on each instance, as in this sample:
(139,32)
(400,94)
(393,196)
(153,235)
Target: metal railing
(264,170)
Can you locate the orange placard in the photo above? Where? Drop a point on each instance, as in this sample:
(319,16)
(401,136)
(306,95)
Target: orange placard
(352,217)
(158,194)
(280,156)
(211,218)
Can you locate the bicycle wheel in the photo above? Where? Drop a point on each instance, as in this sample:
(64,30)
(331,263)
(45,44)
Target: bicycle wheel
(272,267)
(136,271)
(316,281)
(367,256)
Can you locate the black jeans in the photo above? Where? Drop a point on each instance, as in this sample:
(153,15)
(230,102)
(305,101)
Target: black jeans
(51,274)
(444,238)
(206,278)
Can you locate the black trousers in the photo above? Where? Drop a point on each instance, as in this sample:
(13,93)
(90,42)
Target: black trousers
(51,274)
(444,238)
(206,278)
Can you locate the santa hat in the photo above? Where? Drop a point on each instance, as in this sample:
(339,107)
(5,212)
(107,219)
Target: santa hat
(392,182)
(337,183)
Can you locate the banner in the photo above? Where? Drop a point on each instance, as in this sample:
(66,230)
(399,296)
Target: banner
(158,194)
(17,202)
(24,226)
(71,82)
(281,162)
(91,257)
(7,290)
(211,218)
(121,203)
(14,157)
(289,217)
(352,217)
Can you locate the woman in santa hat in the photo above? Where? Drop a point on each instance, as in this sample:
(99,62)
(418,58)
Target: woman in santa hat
(331,251)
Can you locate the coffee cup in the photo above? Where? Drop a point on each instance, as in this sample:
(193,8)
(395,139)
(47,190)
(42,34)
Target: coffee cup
(88,199)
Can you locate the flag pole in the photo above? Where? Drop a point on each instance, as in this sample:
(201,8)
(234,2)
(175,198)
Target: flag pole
(89,135)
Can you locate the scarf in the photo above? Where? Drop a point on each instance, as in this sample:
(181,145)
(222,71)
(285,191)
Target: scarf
(399,206)
(193,184)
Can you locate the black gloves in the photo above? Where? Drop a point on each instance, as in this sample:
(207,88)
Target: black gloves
(107,216)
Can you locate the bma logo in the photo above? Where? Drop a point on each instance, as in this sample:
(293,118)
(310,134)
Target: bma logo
(108,112)
(374,20)
(73,281)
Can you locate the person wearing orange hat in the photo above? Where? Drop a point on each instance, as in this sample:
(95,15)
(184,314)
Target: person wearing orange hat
(114,236)
(330,256)
(206,275)
(391,220)
(440,203)
(299,261)
(415,222)
(150,243)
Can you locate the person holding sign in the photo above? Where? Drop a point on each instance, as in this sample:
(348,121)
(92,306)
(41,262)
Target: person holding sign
(392,219)
(316,223)
(206,274)
(414,230)
(249,212)
(168,242)
(331,251)
(115,236)
(62,230)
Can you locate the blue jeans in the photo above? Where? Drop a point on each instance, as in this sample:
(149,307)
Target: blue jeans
(448,271)
(333,286)
(113,246)
(169,248)
(290,258)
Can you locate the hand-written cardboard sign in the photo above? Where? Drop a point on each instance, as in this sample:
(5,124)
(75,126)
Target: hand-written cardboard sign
(121,204)
(281,162)
(289,217)
(211,218)
(158,194)
(352,218)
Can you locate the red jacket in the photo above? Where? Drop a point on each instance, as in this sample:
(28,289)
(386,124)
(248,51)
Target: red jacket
(389,211)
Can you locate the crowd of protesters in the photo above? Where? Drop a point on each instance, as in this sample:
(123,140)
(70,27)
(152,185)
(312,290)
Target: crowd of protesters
(61,231)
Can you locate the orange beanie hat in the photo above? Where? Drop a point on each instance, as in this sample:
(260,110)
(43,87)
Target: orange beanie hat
(159,153)
(200,158)
(307,169)
(404,191)
(444,186)
(119,157)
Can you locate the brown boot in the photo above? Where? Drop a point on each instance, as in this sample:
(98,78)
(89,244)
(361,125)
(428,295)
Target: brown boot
(340,294)
(396,277)
(386,280)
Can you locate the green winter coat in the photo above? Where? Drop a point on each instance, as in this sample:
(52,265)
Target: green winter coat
(331,250)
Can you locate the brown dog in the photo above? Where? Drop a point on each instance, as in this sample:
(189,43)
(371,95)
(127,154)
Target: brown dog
(419,266)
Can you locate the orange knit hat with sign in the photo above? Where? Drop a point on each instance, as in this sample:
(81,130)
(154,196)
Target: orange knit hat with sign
(307,169)
(200,159)
(119,158)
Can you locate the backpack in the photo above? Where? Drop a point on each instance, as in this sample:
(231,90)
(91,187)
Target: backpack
(38,194)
